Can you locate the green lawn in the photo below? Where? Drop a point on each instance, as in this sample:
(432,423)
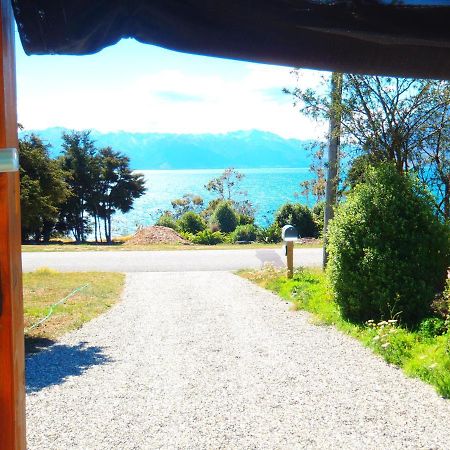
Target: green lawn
(420,353)
(45,287)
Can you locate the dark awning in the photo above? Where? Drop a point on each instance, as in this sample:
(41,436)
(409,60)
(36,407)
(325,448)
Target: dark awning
(405,38)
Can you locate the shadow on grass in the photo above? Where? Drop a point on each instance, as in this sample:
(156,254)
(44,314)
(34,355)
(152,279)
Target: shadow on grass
(55,364)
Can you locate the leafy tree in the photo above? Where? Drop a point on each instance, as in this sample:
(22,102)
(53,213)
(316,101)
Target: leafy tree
(189,202)
(43,189)
(117,187)
(225,216)
(78,161)
(401,120)
(227,188)
(388,253)
(315,186)
(226,185)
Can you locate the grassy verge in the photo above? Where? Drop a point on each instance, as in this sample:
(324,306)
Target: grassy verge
(422,353)
(45,287)
(119,246)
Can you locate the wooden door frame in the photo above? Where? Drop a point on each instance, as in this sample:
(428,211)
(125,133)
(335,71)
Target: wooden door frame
(12,375)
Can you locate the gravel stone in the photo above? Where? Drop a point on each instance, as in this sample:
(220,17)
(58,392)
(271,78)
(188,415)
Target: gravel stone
(205,360)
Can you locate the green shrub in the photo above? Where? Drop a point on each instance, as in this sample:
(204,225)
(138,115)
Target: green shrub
(388,253)
(226,217)
(245,233)
(190,222)
(318,212)
(299,216)
(245,219)
(207,237)
(269,235)
(432,327)
(166,220)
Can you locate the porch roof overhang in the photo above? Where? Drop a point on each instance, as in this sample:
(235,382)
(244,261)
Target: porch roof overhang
(402,38)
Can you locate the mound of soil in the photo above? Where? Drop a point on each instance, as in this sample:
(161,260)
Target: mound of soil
(156,235)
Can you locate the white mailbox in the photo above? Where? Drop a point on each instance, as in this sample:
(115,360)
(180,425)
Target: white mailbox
(289,233)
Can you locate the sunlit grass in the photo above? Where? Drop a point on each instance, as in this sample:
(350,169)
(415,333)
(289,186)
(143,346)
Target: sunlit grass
(44,287)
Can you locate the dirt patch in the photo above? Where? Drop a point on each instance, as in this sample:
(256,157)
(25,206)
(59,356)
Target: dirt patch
(156,235)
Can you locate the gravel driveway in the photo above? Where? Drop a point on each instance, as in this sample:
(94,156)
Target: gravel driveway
(207,360)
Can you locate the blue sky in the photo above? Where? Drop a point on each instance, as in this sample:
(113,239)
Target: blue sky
(141,88)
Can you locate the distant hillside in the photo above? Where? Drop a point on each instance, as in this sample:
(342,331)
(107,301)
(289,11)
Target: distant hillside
(242,149)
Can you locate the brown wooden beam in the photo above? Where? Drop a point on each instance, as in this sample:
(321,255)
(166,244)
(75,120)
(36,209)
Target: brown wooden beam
(12,382)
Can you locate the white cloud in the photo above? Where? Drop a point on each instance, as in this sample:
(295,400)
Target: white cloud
(177,102)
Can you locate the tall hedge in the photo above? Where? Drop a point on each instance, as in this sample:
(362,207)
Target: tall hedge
(388,252)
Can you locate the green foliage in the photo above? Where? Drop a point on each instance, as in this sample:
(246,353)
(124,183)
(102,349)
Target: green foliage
(269,235)
(101,183)
(189,202)
(318,213)
(433,326)
(299,216)
(225,216)
(430,361)
(78,162)
(245,233)
(42,188)
(388,254)
(245,219)
(207,237)
(116,188)
(191,222)
(167,220)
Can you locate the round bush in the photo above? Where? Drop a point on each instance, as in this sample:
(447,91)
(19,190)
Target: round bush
(299,216)
(166,220)
(245,233)
(190,222)
(388,253)
(225,216)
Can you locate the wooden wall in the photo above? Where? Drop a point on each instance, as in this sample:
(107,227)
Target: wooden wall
(12,390)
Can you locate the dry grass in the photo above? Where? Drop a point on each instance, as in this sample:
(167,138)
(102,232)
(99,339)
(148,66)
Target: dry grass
(44,287)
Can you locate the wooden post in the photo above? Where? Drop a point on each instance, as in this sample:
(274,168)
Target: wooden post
(290,258)
(334,139)
(12,383)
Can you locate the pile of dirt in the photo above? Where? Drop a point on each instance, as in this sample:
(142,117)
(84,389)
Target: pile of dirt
(156,235)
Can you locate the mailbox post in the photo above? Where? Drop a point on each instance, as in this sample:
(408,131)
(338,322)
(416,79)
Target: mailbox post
(289,235)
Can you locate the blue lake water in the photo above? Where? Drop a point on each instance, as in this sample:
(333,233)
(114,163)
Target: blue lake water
(267,189)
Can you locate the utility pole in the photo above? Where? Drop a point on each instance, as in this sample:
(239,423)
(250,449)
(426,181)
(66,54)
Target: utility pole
(334,138)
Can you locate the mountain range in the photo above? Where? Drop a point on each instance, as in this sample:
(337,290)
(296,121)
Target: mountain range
(240,149)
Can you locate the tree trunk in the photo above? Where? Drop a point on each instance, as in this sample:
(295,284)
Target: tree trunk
(333,157)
